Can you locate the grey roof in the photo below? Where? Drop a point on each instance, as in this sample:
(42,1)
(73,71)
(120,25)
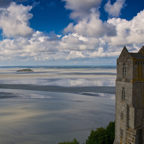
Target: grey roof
(137,55)
(141,50)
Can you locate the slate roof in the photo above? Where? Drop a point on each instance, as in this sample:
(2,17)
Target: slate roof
(137,55)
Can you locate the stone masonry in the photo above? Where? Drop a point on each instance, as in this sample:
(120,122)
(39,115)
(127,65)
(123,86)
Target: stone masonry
(129,107)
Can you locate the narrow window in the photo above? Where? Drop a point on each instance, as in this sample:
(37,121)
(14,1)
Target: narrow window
(124,70)
(121,115)
(121,133)
(136,62)
(141,62)
(123,93)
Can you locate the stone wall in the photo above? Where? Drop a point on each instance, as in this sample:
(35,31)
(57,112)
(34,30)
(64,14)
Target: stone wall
(138,94)
(125,60)
(129,109)
(121,107)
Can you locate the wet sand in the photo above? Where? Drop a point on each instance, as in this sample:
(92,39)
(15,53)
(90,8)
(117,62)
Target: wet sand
(98,89)
(54,105)
(41,117)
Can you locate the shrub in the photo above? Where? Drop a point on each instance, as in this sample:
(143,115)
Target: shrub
(72,142)
(111,132)
(99,136)
(102,135)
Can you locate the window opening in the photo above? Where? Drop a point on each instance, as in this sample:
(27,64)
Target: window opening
(121,115)
(121,133)
(124,70)
(123,94)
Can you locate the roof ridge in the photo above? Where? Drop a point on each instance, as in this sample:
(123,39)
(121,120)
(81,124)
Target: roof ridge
(141,50)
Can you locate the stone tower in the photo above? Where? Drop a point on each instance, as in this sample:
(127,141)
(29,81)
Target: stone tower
(129,108)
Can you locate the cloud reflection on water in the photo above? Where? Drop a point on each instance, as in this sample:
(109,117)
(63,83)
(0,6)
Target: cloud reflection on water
(66,82)
(61,77)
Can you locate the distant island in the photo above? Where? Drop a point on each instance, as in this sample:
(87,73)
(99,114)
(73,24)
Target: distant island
(25,70)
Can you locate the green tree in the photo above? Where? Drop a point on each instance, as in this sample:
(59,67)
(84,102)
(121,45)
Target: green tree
(111,132)
(99,136)
(72,142)
(102,135)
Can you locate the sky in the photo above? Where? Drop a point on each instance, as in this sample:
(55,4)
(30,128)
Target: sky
(69,32)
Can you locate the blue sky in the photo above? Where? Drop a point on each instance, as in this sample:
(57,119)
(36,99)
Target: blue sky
(69,32)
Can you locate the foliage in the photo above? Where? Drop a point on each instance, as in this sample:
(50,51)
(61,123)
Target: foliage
(99,136)
(111,132)
(72,142)
(102,135)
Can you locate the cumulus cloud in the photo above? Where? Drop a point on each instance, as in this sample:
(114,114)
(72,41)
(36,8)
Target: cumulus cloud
(81,8)
(115,9)
(39,47)
(14,20)
(72,46)
(90,37)
(128,32)
(92,26)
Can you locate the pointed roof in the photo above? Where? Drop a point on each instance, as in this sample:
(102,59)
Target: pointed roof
(141,50)
(125,49)
(139,55)
(125,52)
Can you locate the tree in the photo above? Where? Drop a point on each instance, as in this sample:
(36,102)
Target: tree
(99,136)
(72,142)
(102,135)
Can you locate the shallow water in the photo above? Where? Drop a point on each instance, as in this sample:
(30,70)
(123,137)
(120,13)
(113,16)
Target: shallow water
(49,117)
(42,117)
(60,77)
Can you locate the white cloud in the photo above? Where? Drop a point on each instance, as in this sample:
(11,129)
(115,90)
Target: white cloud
(39,47)
(72,46)
(14,20)
(128,32)
(90,37)
(115,9)
(92,26)
(81,8)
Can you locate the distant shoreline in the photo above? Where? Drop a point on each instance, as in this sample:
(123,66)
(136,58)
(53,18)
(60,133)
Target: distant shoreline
(98,89)
(61,67)
(25,70)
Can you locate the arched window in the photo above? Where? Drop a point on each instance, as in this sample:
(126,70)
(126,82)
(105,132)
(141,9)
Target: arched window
(123,93)
(124,70)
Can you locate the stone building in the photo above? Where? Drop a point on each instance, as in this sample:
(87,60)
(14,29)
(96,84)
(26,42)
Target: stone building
(129,108)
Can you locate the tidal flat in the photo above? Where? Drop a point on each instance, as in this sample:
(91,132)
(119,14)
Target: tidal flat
(54,105)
